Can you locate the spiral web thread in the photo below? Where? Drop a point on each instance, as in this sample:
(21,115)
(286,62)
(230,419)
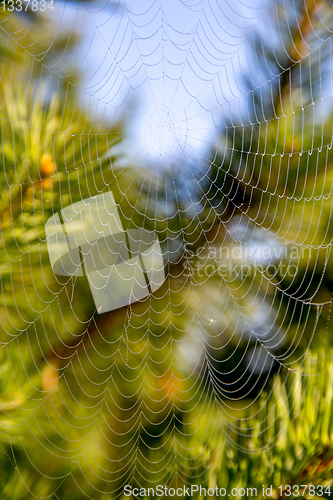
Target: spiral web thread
(209,123)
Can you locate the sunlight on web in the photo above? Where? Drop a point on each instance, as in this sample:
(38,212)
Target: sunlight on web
(207,125)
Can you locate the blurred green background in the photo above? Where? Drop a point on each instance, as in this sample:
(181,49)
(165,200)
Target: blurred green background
(92,402)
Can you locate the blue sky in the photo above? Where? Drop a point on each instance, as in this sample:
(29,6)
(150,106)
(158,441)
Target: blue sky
(173,66)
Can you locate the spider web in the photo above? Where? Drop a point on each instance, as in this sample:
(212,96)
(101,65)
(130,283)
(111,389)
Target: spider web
(209,122)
